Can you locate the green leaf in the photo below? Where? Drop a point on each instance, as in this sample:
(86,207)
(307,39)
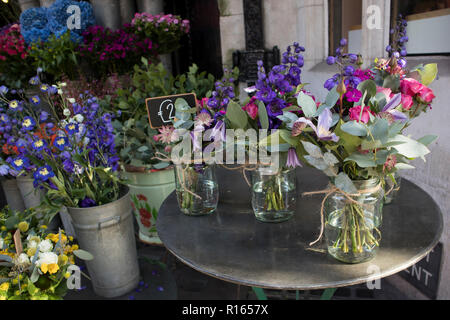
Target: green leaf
(313,150)
(348,141)
(307,104)
(380,130)
(428,73)
(262,114)
(237,117)
(404,166)
(343,182)
(368,86)
(332,98)
(362,160)
(83,255)
(392,82)
(32,289)
(354,128)
(286,136)
(427,140)
(410,148)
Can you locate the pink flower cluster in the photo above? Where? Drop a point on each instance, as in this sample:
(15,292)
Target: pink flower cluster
(163,21)
(411,88)
(12,44)
(355,114)
(106,44)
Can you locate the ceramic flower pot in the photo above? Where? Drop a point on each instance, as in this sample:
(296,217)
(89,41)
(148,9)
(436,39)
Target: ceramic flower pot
(107,232)
(148,190)
(12,195)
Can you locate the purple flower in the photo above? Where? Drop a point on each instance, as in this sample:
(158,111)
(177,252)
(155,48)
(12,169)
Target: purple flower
(390,108)
(44,116)
(87,203)
(331,60)
(292,160)
(323,126)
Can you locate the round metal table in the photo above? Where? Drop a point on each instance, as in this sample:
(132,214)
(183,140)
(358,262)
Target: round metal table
(233,246)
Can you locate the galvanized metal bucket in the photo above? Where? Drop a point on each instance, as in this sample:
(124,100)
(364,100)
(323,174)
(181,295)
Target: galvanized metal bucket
(32,197)
(148,191)
(107,232)
(12,194)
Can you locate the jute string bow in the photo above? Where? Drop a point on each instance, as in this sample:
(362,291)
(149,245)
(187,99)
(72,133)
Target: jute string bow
(328,192)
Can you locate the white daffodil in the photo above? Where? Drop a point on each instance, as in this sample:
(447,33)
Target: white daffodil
(22,259)
(45,246)
(47,258)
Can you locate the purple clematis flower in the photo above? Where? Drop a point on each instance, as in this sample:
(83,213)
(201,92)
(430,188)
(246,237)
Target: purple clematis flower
(323,126)
(292,160)
(390,108)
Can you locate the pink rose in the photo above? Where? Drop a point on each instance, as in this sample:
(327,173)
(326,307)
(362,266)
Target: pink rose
(251,108)
(426,95)
(355,114)
(407,101)
(410,86)
(387,92)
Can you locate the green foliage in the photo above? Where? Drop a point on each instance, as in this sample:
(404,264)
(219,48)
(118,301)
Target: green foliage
(57,57)
(134,136)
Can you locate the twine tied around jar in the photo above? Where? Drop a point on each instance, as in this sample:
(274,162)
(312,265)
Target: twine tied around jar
(328,192)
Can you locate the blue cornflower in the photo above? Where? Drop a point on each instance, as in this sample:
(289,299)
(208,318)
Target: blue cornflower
(15,105)
(35,100)
(44,87)
(39,145)
(72,128)
(44,116)
(44,173)
(34,81)
(3,90)
(61,143)
(19,163)
(28,123)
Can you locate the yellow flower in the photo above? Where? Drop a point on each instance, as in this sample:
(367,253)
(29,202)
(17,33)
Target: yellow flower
(3,228)
(4,286)
(71,260)
(15,281)
(70,238)
(43,227)
(31,252)
(62,259)
(44,268)
(55,237)
(17,293)
(2,297)
(75,247)
(53,268)
(23,226)
(67,275)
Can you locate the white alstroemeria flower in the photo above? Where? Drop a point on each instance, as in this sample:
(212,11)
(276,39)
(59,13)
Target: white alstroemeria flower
(79,118)
(22,259)
(66,112)
(47,258)
(71,100)
(45,246)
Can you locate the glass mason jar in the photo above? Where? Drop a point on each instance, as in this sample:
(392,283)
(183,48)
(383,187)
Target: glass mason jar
(391,187)
(274,194)
(352,227)
(197,189)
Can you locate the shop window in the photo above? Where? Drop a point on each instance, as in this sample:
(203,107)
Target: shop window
(428,25)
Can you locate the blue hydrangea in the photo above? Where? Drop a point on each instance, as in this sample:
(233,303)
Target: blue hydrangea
(38,24)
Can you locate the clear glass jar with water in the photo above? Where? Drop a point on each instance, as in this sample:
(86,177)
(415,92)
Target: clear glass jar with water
(197,189)
(352,229)
(274,194)
(391,187)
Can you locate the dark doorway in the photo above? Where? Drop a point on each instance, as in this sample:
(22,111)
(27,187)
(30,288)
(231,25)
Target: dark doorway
(202,46)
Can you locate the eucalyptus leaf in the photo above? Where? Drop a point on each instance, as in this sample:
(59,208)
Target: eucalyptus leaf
(317,163)
(332,97)
(343,182)
(83,255)
(369,87)
(307,104)
(262,114)
(362,160)
(5,258)
(237,117)
(313,150)
(410,148)
(354,128)
(404,166)
(427,140)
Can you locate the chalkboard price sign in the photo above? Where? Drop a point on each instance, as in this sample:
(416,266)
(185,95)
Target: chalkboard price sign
(161,110)
(425,274)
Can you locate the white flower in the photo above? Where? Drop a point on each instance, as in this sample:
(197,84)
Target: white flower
(47,258)
(60,92)
(86,141)
(22,259)
(1,244)
(79,118)
(63,84)
(45,246)
(71,100)
(66,112)
(32,244)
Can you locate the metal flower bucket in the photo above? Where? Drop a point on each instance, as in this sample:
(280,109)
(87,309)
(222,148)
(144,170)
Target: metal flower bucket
(12,195)
(32,197)
(107,232)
